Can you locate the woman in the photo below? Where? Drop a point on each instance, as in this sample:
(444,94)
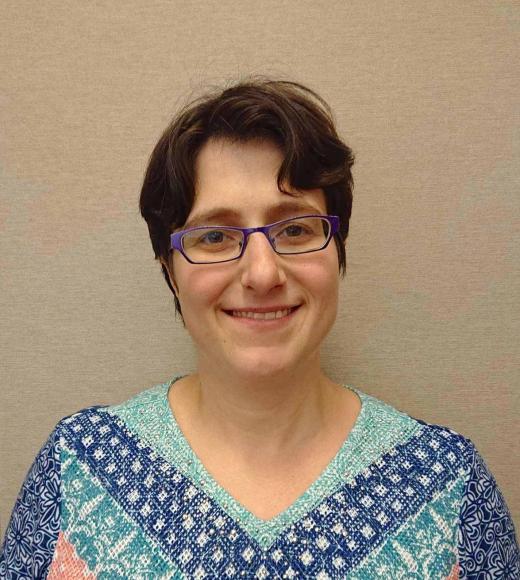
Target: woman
(258,465)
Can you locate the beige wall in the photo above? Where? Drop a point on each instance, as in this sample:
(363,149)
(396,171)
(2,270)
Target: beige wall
(425,92)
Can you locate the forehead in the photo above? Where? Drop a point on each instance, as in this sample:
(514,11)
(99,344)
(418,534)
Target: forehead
(239,180)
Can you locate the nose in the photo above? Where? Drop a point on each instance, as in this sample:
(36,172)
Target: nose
(261,267)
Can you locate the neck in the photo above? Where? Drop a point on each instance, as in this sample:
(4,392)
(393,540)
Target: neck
(268,414)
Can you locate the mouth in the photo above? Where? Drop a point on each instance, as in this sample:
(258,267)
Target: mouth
(273,313)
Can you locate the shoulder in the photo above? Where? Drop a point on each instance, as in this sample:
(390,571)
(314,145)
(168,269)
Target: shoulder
(82,450)
(88,426)
(399,433)
(439,458)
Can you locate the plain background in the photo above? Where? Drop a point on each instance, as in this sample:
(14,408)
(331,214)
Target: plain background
(426,93)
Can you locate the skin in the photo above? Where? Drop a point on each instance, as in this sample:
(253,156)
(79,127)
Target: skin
(259,397)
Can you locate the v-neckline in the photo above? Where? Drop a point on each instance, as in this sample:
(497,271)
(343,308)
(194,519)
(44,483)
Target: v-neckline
(330,478)
(379,427)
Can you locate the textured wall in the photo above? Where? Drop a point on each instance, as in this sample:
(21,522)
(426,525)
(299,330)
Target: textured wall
(425,92)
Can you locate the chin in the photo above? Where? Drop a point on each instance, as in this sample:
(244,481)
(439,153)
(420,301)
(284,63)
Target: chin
(265,363)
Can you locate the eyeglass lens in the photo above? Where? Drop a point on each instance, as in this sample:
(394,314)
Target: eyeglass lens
(295,236)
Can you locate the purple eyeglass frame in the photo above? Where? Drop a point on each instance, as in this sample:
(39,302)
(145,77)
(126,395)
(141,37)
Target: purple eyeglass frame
(176,238)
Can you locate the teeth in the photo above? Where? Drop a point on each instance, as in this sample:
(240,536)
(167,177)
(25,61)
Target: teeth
(262,315)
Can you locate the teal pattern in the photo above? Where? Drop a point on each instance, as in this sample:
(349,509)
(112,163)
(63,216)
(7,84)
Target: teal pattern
(101,531)
(150,417)
(435,528)
(117,492)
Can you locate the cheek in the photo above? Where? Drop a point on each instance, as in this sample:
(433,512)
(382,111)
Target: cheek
(322,276)
(199,287)
(327,288)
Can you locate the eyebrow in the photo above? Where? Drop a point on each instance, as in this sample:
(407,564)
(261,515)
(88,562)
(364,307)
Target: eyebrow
(229,216)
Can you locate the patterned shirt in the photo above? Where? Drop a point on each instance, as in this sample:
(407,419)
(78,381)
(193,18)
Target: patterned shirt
(117,492)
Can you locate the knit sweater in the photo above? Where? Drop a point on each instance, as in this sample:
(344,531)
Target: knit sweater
(117,492)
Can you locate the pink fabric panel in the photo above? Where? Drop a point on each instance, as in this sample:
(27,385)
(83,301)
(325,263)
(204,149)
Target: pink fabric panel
(66,564)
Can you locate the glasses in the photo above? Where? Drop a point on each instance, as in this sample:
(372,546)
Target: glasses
(214,244)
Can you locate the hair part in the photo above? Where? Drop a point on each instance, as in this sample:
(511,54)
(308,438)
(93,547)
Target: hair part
(292,116)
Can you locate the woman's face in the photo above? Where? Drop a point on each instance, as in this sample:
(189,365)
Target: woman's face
(236,186)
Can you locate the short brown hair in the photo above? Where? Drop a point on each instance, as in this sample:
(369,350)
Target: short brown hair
(289,114)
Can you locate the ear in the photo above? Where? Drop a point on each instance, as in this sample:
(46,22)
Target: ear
(169,268)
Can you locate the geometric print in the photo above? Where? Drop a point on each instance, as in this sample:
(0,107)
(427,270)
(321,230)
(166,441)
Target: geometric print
(425,506)
(335,537)
(424,548)
(103,533)
(377,429)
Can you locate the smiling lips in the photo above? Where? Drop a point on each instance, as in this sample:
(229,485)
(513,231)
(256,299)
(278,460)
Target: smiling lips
(263,313)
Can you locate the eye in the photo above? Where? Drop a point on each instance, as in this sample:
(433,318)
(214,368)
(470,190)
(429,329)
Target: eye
(299,235)
(212,237)
(294,230)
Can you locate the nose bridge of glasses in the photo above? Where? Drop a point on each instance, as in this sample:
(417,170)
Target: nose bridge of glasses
(264,230)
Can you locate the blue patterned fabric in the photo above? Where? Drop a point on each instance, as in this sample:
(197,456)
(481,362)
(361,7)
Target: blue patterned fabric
(380,489)
(116,492)
(33,530)
(486,534)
